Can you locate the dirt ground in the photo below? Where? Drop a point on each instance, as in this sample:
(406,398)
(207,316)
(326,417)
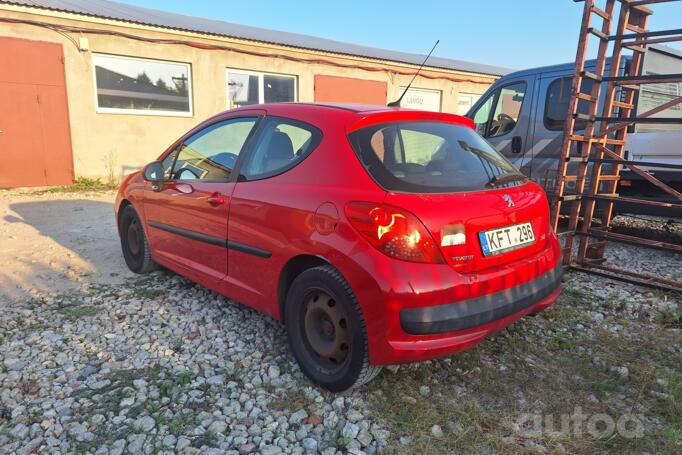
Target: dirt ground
(55,242)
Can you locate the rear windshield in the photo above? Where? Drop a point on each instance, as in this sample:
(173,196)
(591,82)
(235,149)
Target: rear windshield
(428,157)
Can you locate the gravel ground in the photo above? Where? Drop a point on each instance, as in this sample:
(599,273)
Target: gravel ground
(97,363)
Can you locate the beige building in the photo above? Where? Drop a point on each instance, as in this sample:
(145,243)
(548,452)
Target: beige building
(93,88)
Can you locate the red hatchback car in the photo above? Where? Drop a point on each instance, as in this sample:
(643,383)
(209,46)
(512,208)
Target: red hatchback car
(377,235)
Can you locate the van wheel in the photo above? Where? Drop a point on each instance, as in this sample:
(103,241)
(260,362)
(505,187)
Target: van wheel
(134,243)
(326,330)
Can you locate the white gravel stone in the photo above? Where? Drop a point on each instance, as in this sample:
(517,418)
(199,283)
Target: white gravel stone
(298,416)
(437,431)
(144,423)
(350,430)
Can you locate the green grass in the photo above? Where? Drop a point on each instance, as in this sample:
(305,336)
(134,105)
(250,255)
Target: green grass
(552,366)
(185,378)
(292,400)
(82,184)
(146,294)
(78,312)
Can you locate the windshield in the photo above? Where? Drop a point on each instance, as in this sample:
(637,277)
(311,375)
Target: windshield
(429,157)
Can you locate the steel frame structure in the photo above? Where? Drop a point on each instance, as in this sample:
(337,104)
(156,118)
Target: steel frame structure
(603,140)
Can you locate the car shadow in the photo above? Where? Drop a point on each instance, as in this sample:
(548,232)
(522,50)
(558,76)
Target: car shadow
(54,246)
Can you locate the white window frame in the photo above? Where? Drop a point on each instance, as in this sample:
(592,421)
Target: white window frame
(261,83)
(161,113)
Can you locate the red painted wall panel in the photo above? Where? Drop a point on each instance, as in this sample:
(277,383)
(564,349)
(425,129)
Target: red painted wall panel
(333,89)
(35,140)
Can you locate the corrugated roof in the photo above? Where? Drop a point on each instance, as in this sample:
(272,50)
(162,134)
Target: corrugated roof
(145,16)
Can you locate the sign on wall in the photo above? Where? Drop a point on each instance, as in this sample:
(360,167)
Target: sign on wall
(422,99)
(465,101)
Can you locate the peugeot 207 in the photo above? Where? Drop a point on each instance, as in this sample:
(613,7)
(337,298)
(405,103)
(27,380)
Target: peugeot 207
(377,235)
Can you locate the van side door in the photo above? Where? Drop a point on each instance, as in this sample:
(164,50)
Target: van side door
(503,117)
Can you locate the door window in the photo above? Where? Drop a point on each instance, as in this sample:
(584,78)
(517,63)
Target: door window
(211,154)
(505,105)
(282,143)
(507,109)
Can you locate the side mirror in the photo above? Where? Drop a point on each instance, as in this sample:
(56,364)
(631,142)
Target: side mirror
(153,172)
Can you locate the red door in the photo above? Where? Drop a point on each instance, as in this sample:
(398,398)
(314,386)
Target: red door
(187,218)
(336,89)
(34,122)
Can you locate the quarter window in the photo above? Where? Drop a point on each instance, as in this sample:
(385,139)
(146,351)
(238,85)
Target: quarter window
(139,86)
(282,143)
(556,103)
(212,153)
(245,88)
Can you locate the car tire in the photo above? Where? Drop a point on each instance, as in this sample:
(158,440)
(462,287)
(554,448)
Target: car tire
(326,330)
(136,251)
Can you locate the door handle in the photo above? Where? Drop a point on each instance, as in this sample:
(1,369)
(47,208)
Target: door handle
(516,144)
(216,199)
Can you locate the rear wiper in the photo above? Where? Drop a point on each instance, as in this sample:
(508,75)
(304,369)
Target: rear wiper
(505,178)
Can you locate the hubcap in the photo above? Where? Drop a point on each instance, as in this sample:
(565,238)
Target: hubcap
(134,238)
(326,328)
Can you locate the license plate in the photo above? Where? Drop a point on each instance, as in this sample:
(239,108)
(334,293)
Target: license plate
(507,238)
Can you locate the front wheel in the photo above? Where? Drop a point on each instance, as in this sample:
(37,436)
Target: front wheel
(134,245)
(326,330)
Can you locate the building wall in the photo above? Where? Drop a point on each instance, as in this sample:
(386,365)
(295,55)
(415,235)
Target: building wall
(109,145)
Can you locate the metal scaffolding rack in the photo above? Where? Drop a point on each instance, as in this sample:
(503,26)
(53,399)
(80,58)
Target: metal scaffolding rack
(591,159)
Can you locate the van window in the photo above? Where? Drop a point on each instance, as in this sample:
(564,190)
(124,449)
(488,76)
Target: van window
(556,103)
(505,105)
(428,157)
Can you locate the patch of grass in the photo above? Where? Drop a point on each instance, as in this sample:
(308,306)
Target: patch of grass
(148,294)
(292,399)
(547,366)
(671,317)
(83,184)
(77,312)
(185,378)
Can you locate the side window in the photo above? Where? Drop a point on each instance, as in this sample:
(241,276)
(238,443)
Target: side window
(212,153)
(482,115)
(282,143)
(507,109)
(556,103)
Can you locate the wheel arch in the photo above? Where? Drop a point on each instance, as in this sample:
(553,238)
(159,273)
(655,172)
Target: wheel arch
(293,268)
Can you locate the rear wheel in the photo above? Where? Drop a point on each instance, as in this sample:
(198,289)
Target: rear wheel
(134,243)
(326,330)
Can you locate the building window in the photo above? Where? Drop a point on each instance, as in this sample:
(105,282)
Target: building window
(247,87)
(129,85)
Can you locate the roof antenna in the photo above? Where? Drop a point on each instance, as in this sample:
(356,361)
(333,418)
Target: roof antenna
(396,103)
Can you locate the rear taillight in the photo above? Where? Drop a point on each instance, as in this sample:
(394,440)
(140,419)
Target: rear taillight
(394,231)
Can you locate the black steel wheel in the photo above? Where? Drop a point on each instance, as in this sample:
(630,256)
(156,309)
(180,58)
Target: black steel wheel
(326,330)
(134,243)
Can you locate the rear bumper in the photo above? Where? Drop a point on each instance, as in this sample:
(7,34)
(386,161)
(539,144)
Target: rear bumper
(479,311)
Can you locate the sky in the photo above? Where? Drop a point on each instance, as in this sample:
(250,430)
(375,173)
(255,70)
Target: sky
(514,34)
